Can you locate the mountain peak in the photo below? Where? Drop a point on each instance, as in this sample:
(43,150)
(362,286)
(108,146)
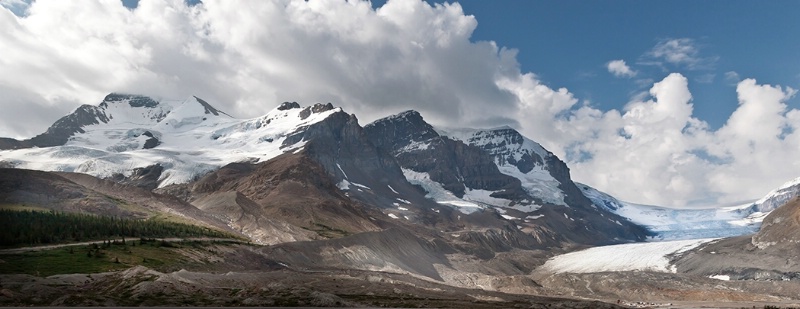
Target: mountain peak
(134,100)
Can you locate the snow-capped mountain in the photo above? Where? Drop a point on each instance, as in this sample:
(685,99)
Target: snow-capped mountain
(543,175)
(678,224)
(186,138)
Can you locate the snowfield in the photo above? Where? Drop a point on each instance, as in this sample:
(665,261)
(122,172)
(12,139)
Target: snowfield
(649,256)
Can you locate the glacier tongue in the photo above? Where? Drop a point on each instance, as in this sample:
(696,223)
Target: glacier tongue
(187,137)
(679,224)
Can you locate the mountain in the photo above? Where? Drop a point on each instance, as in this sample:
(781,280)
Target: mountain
(397,202)
(400,168)
(499,170)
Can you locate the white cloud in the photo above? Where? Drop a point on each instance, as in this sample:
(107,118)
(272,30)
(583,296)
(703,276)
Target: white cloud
(246,57)
(682,52)
(657,152)
(620,69)
(732,77)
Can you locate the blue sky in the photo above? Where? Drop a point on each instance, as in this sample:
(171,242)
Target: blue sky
(567,43)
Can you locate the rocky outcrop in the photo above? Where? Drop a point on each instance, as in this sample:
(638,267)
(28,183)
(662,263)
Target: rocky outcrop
(142,177)
(781,228)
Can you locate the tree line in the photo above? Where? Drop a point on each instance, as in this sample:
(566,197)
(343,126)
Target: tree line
(41,228)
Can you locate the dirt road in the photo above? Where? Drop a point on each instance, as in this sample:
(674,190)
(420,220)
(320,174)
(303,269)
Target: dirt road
(48,247)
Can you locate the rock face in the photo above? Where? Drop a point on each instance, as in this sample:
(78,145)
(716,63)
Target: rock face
(457,166)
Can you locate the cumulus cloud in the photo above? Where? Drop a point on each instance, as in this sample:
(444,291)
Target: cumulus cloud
(246,57)
(655,151)
(620,69)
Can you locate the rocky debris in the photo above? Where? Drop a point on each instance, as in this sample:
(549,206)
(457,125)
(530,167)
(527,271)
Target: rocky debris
(652,287)
(140,286)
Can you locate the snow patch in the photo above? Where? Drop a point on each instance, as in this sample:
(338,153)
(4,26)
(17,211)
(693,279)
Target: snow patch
(360,186)
(438,193)
(721,277)
(507,217)
(652,256)
(343,185)
(340,169)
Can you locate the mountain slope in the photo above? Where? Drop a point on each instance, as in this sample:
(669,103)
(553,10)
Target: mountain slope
(287,198)
(80,193)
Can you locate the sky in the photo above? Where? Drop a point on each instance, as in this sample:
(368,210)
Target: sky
(674,103)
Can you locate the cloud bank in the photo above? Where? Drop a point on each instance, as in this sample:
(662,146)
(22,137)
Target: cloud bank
(246,57)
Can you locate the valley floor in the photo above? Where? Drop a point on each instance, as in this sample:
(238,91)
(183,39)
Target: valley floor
(230,274)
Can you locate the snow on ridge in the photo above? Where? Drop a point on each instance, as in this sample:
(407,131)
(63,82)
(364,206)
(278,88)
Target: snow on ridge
(537,182)
(649,256)
(498,135)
